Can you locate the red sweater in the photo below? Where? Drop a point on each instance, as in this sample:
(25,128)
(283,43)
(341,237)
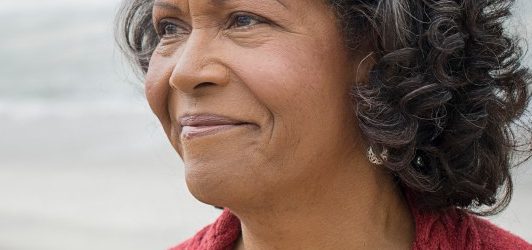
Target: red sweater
(453,229)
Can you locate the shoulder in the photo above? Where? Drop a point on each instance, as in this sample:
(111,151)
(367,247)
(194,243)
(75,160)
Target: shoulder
(458,229)
(220,235)
(494,237)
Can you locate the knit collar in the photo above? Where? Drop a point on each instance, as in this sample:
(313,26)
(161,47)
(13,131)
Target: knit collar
(451,228)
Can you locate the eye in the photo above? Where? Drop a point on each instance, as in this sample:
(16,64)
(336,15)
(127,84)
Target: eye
(169,29)
(245,21)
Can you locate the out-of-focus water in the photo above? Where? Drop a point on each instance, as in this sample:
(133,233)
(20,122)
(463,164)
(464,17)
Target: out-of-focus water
(83,163)
(60,52)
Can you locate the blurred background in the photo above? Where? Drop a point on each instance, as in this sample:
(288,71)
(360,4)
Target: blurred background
(83,162)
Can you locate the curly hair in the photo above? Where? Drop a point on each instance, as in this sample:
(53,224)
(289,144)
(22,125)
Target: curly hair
(446,97)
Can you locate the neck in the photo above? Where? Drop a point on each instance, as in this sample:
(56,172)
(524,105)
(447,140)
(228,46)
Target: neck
(350,208)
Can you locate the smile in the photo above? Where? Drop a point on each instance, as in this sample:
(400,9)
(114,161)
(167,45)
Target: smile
(193,126)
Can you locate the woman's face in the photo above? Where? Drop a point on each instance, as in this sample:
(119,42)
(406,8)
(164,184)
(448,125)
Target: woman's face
(253,95)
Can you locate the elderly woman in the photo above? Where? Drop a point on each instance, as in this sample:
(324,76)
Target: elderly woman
(338,124)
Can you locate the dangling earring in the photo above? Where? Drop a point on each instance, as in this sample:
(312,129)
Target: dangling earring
(376,160)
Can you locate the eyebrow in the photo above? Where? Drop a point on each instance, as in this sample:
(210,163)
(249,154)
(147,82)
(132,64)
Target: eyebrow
(167,5)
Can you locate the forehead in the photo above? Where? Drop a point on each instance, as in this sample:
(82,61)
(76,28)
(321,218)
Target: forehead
(217,3)
(298,9)
(221,2)
(285,11)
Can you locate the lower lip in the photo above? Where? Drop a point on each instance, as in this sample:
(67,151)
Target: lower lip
(189,132)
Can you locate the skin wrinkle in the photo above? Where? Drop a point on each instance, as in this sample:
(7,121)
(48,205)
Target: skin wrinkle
(281,22)
(220,3)
(308,156)
(177,10)
(285,178)
(215,3)
(210,23)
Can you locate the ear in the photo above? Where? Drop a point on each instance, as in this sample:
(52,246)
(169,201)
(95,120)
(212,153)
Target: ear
(362,66)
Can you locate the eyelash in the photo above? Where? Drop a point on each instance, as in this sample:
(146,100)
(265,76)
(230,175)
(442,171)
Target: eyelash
(164,24)
(234,17)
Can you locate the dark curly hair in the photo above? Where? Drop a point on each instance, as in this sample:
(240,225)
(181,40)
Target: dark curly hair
(446,97)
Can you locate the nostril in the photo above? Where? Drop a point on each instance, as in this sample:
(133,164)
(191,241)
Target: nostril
(203,85)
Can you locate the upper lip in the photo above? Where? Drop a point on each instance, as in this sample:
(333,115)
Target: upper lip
(196,120)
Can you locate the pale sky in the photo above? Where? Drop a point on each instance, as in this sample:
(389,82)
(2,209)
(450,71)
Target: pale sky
(14,5)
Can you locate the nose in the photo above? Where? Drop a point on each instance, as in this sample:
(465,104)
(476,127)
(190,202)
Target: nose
(198,65)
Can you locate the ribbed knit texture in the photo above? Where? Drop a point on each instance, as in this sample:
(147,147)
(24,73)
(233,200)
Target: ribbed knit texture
(453,229)
(220,235)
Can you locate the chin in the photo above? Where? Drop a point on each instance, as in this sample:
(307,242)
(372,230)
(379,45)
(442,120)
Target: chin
(220,183)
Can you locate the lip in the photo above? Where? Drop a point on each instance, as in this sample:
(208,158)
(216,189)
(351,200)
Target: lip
(198,125)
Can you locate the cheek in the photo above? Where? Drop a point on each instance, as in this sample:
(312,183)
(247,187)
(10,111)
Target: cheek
(306,89)
(302,83)
(156,89)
